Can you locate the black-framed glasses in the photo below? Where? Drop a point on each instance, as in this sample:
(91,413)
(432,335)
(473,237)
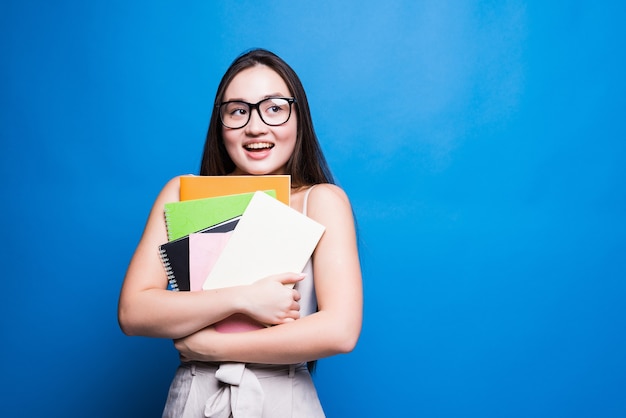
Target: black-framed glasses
(273,111)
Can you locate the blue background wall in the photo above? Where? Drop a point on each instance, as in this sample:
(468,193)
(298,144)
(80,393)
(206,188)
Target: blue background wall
(482,144)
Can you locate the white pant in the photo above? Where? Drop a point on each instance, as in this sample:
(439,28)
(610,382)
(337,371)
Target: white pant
(222,390)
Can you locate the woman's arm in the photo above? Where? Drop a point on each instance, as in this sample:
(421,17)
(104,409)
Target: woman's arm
(147,308)
(334,329)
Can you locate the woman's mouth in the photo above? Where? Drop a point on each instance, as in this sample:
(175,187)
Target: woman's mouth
(258,146)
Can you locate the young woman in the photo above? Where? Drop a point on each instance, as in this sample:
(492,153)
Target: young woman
(261,124)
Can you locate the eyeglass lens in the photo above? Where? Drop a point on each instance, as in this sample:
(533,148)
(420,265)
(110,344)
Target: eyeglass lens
(273,111)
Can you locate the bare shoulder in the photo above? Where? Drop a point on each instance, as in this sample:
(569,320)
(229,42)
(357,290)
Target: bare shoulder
(328,192)
(155,231)
(170,191)
(328,200)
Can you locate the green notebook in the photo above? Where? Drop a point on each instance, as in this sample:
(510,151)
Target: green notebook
(188,216)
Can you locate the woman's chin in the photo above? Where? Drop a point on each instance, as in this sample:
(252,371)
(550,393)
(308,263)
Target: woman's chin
(259,170)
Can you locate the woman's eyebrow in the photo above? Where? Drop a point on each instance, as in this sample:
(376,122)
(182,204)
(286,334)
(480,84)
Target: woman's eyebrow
(267,96)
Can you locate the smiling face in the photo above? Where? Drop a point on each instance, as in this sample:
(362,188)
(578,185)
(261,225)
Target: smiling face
(258,148)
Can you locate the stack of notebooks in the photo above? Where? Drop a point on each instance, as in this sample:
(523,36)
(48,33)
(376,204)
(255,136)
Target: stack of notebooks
(234,230)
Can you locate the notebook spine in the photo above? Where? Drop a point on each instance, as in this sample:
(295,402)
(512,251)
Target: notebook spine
(166,213)
(168,269)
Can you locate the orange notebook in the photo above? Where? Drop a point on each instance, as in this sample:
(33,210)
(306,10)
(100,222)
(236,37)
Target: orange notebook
(199,187)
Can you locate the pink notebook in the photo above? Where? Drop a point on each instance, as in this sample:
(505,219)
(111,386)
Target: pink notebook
(204,250)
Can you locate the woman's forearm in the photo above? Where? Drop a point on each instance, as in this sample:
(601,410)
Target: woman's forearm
(167,314)
(309,338)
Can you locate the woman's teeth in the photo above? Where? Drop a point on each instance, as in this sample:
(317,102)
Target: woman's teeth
(259,146)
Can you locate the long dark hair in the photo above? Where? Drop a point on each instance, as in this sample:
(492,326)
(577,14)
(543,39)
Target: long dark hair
(307,165)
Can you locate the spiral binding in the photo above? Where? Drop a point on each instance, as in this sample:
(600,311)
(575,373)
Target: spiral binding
(167,215)
(168,270)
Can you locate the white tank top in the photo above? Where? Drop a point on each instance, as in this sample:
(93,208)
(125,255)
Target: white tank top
(306,287)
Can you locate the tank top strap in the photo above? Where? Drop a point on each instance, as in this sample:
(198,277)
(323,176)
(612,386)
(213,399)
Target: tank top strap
(306,287)
(306,199)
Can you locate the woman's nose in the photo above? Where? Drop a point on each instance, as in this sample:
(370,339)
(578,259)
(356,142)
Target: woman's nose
(255,124)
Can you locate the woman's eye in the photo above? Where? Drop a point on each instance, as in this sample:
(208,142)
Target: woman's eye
(273,107)
(237,111)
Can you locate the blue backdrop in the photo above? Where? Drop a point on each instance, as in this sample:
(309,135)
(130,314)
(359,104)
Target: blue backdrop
(482,144)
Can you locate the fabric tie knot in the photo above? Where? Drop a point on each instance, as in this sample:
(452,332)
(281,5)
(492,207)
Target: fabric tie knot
(240,395)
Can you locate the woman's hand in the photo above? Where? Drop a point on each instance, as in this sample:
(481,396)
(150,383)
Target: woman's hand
(270,301)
